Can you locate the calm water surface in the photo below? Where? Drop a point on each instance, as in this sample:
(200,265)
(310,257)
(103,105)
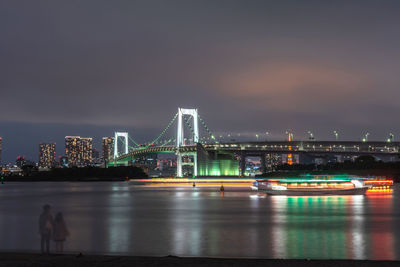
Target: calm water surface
(121,218)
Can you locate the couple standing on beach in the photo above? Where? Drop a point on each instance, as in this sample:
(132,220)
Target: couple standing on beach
(52,228)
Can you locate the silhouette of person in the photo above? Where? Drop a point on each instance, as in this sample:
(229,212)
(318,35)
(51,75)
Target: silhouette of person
(45,228)
(60,232)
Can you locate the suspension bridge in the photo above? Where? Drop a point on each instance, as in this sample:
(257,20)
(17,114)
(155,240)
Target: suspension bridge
(181,146)
(208,156)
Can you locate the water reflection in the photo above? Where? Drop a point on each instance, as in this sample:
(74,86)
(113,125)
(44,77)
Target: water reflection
(186,222)
(119,220)
(310,227)
(279,220)
(357,245)
(381,225)
(333,227)
(123,219)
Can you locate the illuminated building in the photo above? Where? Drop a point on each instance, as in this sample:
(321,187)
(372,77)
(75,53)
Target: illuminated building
(87,147)
(272,161)
(108,148)
(47,155)
(73,149)
(78,151)
(166,163)
(216,164)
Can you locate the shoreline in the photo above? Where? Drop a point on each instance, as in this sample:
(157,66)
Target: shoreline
(98,177)
(117,179)
(35,259)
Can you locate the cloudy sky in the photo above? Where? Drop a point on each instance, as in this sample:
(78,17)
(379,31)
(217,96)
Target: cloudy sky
(91,67)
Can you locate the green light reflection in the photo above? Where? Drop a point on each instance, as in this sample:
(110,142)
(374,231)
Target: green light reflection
(311,222)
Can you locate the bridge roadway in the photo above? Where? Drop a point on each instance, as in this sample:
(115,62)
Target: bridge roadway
(155,150)
(311,148)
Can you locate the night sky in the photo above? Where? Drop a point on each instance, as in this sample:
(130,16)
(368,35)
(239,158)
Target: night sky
(91,67)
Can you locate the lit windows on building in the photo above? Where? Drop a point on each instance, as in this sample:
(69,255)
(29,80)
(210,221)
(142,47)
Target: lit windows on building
(47,155)
(78,150)
(87,151)
(108,148)
(1,141)
(72,149)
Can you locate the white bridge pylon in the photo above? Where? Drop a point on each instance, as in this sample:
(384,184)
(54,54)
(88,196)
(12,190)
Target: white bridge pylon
(180,140)
(125,148)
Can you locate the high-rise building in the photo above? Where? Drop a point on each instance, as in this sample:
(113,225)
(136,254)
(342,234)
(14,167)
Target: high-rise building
(73,149)
(87,151)
(47,155)
(78,150)
(1,140)
(108,148)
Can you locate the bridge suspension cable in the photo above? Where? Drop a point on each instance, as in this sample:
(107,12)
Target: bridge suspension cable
(168,141)
(123,142)
(207,129)
(204,125)
(190,126)
(156,139)
(133,141)
(164,131)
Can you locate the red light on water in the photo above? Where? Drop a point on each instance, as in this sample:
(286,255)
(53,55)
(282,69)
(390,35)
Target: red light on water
(379,194)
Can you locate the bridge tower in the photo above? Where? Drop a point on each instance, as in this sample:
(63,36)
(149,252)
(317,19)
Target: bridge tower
(123,135)
(180,140)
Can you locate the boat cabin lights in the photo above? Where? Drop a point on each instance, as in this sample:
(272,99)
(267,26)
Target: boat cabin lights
(279,187)
(313,181)
(357,183)
(390,182)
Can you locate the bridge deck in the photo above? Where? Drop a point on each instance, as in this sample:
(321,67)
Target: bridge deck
(280,147)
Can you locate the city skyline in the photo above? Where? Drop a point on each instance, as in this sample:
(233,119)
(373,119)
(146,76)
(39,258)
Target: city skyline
(248,67)
(97,140)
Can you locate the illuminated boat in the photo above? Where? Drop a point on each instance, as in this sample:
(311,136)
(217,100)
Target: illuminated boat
(379,184)
(312,187)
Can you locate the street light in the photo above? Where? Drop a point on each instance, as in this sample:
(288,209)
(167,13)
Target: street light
(336,135)
(365,139)
(311,136)
(266,135)
(257,137)
(391,138)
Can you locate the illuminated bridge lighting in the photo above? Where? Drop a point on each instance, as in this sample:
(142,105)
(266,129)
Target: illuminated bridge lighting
(206,163)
